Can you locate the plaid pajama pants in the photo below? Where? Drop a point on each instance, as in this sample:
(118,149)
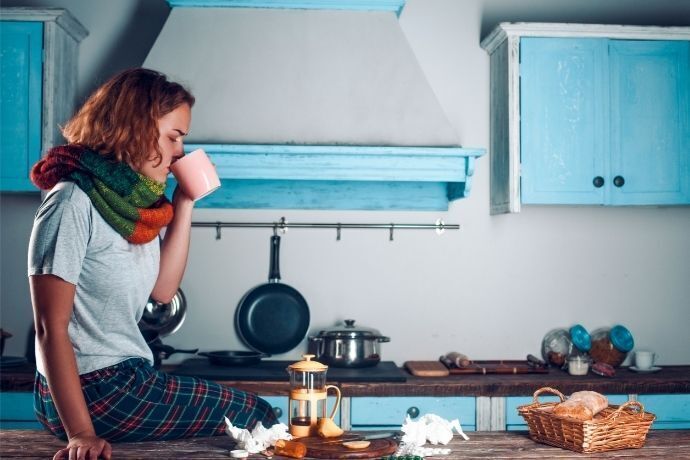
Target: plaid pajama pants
(131,401)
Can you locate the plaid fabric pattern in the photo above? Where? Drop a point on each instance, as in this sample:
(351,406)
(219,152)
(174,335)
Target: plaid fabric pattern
(132,401)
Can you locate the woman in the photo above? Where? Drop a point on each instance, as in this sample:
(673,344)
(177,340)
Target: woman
(95,257)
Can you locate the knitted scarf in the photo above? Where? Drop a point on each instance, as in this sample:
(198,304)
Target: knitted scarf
(133,204)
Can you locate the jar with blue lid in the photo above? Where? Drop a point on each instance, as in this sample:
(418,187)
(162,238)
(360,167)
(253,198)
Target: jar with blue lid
(611,345)
(559,344)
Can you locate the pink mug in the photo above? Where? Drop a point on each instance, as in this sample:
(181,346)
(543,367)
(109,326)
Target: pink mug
(195,174)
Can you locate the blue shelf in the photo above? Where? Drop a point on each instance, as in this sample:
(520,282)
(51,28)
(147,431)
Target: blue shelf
(339,177)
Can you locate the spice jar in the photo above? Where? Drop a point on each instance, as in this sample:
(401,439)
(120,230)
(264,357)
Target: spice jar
(611,345)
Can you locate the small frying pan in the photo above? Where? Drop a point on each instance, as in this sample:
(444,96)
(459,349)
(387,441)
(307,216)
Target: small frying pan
(272,318)
(233,358)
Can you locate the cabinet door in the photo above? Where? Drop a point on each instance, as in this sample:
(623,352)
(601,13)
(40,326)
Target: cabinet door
(390,412)
(672,410)
(17,411)
(650,125)
(21,58)
(563,108)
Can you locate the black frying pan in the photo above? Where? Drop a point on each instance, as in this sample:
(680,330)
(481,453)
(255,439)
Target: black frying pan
(233,358)
(273,317)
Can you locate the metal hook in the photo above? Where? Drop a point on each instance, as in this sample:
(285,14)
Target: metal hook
(337,232)
(440,226)
(390,236)
(275,229)
(283,225)
(217,230)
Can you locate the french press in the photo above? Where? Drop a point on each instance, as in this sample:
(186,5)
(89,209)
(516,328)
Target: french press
(308,396)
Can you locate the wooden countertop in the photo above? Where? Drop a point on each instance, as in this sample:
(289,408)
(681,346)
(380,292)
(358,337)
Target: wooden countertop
(660,444)
(671,379)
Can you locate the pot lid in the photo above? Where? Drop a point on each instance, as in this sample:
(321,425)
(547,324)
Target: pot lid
(164,318)
(349,330)
(308,365)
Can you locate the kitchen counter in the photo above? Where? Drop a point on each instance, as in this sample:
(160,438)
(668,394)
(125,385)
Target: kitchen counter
(668,444)
(671,379)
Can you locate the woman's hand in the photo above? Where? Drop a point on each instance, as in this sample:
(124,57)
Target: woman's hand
(85,447)
(181,198)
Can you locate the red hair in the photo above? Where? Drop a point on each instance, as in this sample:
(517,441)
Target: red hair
(120,119)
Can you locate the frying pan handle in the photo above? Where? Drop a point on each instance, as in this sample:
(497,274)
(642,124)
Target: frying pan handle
(274,270)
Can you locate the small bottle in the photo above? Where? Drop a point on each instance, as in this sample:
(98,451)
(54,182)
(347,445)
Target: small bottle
(294,449)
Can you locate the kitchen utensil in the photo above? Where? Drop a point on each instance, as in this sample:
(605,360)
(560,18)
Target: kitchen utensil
(348,346)
(164,318)
(234,358)
(426,368)
(273,317)
(308,397)
(160,350)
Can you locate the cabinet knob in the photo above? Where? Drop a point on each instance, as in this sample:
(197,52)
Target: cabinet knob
(278,412)
(598,181)
(618,181)
(413,412)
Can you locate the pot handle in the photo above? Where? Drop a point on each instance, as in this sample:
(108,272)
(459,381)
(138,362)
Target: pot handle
(337,401)
(383,339)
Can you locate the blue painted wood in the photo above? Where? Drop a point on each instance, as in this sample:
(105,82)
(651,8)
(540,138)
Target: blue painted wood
(17,411)
(650,121)
(369,412)
(21,60)
(516,423)
(563,125)
(672,410)
(371,5)
(602,107)
(338,177)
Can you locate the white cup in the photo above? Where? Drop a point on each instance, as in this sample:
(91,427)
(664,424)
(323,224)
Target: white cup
(644,359)
(195,174)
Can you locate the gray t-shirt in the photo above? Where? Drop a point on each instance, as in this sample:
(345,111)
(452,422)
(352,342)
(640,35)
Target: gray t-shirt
(113,277)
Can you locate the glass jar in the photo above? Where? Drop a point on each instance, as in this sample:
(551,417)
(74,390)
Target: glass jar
(555,347)
(559,344)
(611,345)
(578,362)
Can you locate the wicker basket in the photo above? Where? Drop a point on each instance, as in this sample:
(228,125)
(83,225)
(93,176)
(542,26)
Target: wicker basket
(614,428)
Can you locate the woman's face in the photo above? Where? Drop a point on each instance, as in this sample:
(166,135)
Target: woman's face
(172,128)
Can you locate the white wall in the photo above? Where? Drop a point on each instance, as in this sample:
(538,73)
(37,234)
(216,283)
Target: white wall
(490,290)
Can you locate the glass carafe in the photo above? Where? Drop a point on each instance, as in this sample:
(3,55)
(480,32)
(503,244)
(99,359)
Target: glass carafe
(308,396)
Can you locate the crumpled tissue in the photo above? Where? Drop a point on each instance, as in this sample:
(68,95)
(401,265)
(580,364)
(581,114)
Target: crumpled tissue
(430,428)
(259,439)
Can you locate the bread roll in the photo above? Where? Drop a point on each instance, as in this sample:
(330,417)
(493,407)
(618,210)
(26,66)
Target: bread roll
(582,405)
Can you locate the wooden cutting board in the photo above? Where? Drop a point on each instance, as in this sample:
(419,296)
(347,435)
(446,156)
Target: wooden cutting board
(427,368)
(316,448)
(503,366)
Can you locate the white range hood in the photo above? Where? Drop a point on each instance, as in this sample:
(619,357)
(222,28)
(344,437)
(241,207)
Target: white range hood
(312,104)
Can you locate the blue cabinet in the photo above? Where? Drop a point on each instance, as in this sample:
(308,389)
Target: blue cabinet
(390,412)
(604,121)
(17,411)
(21,64)
(38,61)
(589,115)
(672,411)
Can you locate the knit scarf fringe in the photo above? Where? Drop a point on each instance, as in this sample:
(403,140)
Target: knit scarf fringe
(133,204)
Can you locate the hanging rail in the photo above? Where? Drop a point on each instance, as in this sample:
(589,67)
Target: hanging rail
(283,225)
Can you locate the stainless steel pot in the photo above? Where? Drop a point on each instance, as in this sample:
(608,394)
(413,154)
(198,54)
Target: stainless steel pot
(347,346)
